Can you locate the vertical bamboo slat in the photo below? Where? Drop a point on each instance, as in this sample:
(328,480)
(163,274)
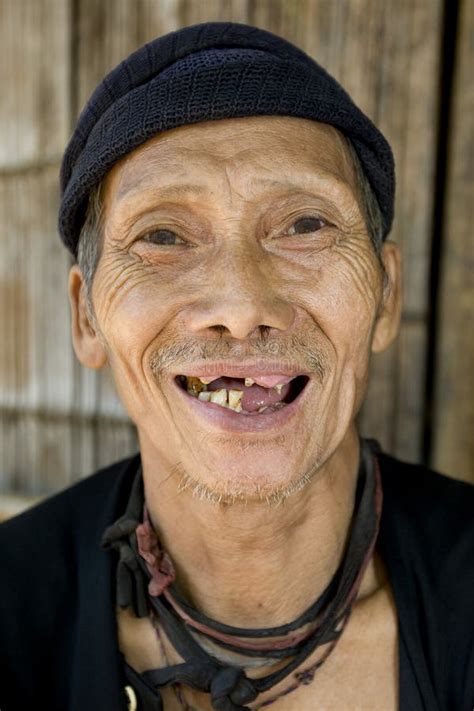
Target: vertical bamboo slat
(453,441)
(34,76)
(37,362)
(35,355)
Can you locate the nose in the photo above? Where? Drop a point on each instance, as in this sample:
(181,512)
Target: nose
(240,297)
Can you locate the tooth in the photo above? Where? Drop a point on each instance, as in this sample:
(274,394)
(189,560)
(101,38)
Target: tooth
(194,385)
(278,388)
(235,396)
(237,408)
(205,395)
(262,409)
(219,397)
(206,381)
(249,382)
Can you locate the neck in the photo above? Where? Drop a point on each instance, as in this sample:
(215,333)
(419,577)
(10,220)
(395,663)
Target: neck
(251,564)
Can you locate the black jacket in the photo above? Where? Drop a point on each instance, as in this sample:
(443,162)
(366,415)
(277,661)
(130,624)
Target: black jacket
(58,635)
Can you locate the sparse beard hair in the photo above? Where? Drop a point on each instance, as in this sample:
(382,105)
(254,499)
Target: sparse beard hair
(264,495)
(169,354)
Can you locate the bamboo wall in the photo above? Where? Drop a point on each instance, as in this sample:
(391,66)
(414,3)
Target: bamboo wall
(59,422)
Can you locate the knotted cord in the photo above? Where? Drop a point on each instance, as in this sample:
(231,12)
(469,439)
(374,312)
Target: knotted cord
(146,582)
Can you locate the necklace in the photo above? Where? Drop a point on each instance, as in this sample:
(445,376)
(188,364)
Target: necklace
(176,689)
(145,580)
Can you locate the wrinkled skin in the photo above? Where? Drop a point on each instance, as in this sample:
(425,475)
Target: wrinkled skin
(234,264)
(206,256)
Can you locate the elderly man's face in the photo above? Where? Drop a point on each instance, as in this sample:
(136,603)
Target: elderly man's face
(237,242)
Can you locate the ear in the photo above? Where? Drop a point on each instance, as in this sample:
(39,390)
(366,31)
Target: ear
(87,345)
(388,319)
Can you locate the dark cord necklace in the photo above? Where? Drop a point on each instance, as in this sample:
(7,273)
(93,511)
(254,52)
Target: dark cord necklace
(145,581)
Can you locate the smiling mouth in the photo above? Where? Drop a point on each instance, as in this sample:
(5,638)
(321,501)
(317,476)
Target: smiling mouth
(243,395)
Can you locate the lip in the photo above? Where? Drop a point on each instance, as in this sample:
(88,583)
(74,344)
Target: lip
(252,369)
(230,421)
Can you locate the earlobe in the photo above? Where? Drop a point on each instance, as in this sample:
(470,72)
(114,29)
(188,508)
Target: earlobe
(87,344)
(388,320)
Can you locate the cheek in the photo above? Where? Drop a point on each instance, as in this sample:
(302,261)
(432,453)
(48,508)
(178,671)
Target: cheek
(132,306)
(345,307)
(134,311)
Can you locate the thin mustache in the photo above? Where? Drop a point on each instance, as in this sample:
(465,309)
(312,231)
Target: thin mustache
(168,357)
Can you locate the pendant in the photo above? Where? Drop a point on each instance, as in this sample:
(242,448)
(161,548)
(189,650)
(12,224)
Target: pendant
(131,698)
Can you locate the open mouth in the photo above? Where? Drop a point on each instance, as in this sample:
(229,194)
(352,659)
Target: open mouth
(243,395)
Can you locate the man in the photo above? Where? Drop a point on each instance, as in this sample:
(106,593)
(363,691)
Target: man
(229,206)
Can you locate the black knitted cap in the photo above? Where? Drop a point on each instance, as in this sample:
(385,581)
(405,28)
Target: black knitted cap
(214,70)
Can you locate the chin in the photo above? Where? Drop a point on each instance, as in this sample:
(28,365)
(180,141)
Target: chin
(269,485)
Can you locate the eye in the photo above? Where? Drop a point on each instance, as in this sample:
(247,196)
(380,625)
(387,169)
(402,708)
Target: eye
(162,237)
(306,225)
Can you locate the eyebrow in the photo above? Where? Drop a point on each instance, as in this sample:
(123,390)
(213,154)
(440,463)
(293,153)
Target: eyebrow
(313,178)
(167,192)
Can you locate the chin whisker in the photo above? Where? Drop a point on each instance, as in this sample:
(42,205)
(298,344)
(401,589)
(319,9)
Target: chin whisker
(260,493)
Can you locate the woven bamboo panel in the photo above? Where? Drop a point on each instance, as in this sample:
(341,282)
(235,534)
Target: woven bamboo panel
(58,421)
(453,449)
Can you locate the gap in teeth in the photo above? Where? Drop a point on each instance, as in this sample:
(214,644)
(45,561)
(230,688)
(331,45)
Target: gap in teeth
(196,385)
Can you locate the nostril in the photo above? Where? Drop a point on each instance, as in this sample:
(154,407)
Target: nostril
(219,328)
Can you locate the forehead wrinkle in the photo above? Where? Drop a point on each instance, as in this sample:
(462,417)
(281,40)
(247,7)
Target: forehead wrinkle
(303,181)
(236,171)
(146,166)
(299,171)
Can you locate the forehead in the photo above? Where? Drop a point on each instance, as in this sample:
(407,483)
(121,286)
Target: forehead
(265,149)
